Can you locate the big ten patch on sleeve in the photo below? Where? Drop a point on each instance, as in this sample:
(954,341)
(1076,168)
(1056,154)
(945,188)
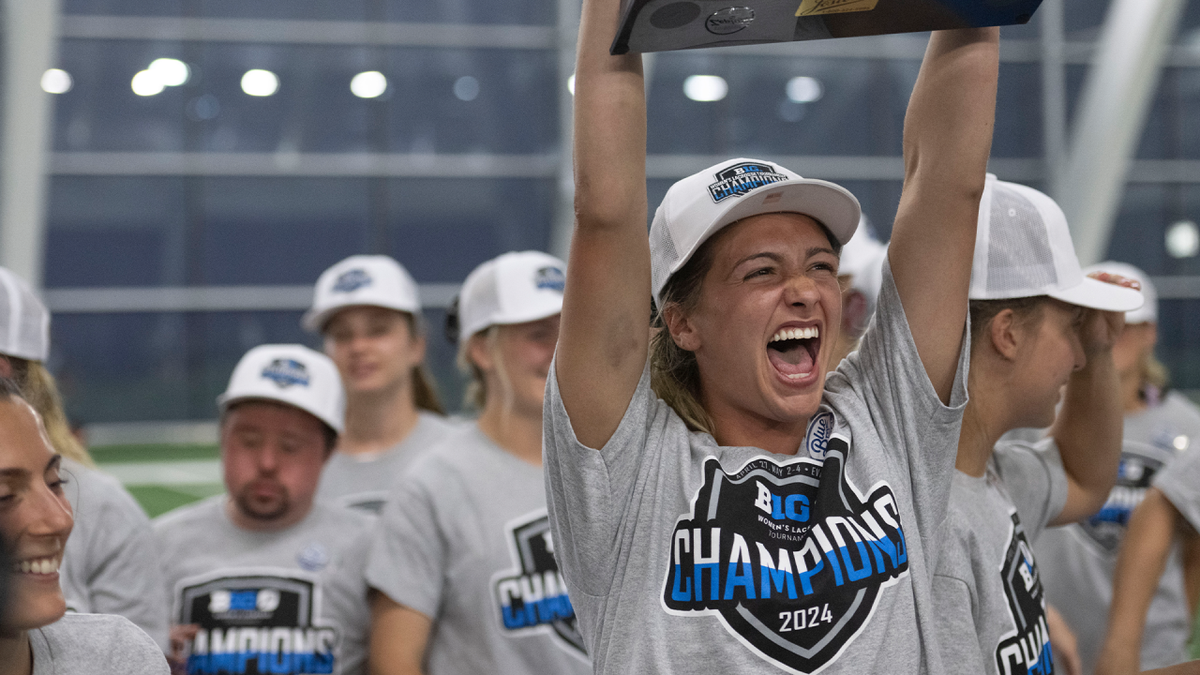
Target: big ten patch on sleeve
(1026,649)
(531,597)
(257,621)
(790,557)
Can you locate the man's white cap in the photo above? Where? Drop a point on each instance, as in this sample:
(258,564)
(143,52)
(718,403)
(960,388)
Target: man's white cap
(862,260)
(511,288)
(1023,249)
(698,206)
(291,374)
(25,332)
(375,280)
(1148,312)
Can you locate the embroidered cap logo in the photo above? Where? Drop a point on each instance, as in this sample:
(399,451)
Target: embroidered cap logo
(352,280)
(550,278)
(286,373)
(742,179)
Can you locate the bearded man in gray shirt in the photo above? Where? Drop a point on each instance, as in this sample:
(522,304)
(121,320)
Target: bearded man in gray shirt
(264,580)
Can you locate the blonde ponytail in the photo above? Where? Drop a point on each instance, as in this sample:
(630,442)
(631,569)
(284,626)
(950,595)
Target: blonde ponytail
(41,391)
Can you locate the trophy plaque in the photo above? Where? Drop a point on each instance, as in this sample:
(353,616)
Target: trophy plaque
(666,25)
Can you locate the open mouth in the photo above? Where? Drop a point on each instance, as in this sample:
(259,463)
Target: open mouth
(38,566)
(793,351)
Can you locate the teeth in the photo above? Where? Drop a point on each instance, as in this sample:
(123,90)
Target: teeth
(796,334)
(40,566)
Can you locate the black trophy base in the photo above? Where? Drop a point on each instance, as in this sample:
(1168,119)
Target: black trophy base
(667,25)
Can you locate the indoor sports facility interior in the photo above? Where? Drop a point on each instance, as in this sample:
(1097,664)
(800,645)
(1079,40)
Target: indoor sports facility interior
(175,174)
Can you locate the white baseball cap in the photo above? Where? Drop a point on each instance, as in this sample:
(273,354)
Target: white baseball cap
(1148,312)
(511,288)
(698,206)
(375,280)
(25,331)
(862,260)
(291,374)
(1023,249)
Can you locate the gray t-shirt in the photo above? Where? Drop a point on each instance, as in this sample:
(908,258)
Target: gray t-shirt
(295,600)
(111,563)
(990,605)
(362,481)
(95,644)
(465,540)
(686,556)
(1077,561)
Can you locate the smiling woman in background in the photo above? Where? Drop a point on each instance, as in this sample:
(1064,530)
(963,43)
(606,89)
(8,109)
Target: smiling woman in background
(35,521)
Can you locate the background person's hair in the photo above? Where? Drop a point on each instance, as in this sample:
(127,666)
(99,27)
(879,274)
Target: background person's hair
(425,394)
(37,386)
(475,395)
(674,372)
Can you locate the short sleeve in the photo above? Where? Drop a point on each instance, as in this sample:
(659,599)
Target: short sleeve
(1179,481)
(409,550)
(588,491)
(1035,481)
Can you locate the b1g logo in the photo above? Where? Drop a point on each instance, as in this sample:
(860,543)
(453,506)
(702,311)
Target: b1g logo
(744,178)
(1026,650)
(791,557)
(256,624)
(534,598)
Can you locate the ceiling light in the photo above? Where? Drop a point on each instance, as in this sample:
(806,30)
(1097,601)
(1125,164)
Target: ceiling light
(1183,239)
(705,88)
(260,82)
(171,72)
(466,88)
(146,83)
(804,89)
(55,81)
(369,84)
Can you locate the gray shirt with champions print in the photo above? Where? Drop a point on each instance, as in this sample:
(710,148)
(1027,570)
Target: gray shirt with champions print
(362,481)
(685,556)
(95,644)
(987,594)
(464,539)
(297,594)
(1078,561)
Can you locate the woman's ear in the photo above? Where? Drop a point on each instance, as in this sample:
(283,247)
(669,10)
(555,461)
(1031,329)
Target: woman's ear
(6,369)
(479,351)
(1006,334)
(682,330)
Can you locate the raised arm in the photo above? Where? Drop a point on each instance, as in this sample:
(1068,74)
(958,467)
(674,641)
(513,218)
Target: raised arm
(947,139)
(1089,427)
(604,338)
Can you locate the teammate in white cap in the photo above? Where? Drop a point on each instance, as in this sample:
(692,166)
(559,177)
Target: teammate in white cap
(463,569)
(728,507)
(368,310)
(35,521)
(1037,324)
(111,563)
(860,274)
(1078,561)
(265,579)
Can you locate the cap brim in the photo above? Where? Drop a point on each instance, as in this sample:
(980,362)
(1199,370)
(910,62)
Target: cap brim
(1100,295)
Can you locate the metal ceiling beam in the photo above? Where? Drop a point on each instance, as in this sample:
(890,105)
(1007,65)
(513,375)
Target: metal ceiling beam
(1116,99)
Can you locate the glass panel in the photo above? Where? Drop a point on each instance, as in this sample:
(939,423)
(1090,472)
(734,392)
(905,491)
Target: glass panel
(105,231)
(441,229)
(1139,235)
(1082,19)
(1178,335)
(280,230)
(529,12)
(1171,131)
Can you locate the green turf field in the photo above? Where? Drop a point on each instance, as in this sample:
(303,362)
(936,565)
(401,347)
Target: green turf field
(162,476)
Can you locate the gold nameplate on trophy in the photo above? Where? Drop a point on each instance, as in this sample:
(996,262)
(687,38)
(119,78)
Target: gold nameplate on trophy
(667,25)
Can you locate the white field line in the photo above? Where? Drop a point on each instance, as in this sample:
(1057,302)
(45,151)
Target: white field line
(191,472)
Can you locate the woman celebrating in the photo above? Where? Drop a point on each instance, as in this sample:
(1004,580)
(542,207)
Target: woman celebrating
(35,520)
(463,569)
(729,508)
(368,311)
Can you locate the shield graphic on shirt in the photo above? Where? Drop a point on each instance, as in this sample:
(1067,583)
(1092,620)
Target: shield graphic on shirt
(790,556)
(1139,463)
(534,598)
(1025,650)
